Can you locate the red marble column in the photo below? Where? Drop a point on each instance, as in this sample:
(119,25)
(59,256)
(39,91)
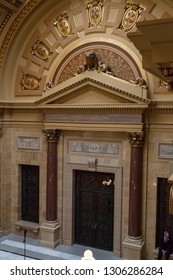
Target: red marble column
(52,136)
(135,192)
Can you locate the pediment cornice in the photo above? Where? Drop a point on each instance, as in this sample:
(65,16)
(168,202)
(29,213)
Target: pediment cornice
(119,93)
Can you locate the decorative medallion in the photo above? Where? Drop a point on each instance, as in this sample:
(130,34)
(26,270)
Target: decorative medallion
(131,14)
(29,82)
(40,50)
(63,25)
(94,12)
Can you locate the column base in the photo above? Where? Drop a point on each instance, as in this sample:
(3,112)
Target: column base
(133,248)
(49,234)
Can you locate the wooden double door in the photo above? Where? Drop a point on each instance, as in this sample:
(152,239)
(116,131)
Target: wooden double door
(94,208)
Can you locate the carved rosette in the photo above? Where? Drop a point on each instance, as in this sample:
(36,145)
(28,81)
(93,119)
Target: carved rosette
(63,25)
(136,139)
(131,14)
(52,135)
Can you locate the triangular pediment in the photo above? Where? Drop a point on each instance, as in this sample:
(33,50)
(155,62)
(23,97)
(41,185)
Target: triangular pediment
(94,90)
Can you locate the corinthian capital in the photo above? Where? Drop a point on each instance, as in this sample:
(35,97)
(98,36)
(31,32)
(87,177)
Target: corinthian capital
(136,138)
(52,135)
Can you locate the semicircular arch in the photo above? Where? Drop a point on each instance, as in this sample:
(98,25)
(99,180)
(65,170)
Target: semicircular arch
(119,61)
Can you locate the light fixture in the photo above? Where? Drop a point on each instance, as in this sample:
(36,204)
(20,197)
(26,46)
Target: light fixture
(107,182)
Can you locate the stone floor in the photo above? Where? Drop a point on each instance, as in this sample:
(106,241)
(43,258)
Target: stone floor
(12,247)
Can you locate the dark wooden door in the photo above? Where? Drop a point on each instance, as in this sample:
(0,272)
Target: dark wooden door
(30,193)
(94,205)
(164,218)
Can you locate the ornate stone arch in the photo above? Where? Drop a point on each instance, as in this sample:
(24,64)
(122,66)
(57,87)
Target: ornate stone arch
(119,61)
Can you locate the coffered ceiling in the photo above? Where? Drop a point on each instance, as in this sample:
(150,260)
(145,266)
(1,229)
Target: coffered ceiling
(46,41)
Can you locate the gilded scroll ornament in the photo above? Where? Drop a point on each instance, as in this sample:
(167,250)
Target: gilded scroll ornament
(95,10)
(63,25)
(29,82)
(40,50)
(162,83)
(131,14)
(139,82)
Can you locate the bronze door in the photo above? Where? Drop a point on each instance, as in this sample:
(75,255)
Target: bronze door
(164,218)
(30,193)
(94,204)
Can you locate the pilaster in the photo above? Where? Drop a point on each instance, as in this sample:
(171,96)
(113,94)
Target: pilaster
(50,228)
(133,243)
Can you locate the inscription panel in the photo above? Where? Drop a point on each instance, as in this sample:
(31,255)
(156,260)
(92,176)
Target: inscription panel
(91,147)
(95,118)
(32,143)
(165,150)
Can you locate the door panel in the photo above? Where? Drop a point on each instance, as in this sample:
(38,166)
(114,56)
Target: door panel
(30,193)
(94,209)
(164,218)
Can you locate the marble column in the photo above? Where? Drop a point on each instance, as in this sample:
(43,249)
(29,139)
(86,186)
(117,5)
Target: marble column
(133,244)
(1,231)
(50,228)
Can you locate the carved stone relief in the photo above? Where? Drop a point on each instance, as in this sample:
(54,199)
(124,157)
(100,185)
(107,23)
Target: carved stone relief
(95,10)
(63,25)
(40,50)
(109,61)
(98,148)
(31,143)
(29,82)
(131,14)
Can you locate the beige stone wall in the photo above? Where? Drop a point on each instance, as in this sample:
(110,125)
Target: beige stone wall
(160,130)
(16,125)
(22,120)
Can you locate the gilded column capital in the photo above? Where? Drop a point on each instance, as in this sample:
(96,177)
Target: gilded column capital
(136,139)
(52,135)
